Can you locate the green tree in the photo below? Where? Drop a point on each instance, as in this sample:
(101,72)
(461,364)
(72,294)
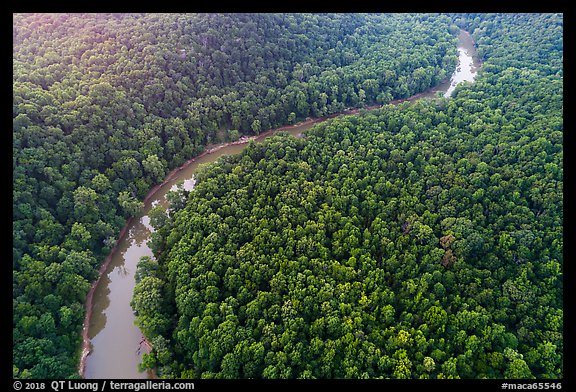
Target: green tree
(129,204)
(153,167)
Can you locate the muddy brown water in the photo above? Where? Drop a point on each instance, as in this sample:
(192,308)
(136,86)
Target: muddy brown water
(113,345)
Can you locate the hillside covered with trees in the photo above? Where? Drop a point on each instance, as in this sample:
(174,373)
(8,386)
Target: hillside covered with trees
(104,105)
(421,240)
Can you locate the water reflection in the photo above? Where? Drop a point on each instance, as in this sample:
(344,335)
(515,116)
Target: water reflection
(100,302)
(467,64)
(121,270)
(187,184)
(115,340)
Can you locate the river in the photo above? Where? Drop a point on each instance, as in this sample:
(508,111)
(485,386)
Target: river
(113,345)
(468,65)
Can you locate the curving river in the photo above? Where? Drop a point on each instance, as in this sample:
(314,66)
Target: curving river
(113,345)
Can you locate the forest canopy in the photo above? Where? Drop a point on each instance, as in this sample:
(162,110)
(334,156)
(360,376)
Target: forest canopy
(415,241)
(104,105)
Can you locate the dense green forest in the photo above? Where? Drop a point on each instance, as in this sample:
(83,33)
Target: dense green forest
(105,104)
(421,240)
